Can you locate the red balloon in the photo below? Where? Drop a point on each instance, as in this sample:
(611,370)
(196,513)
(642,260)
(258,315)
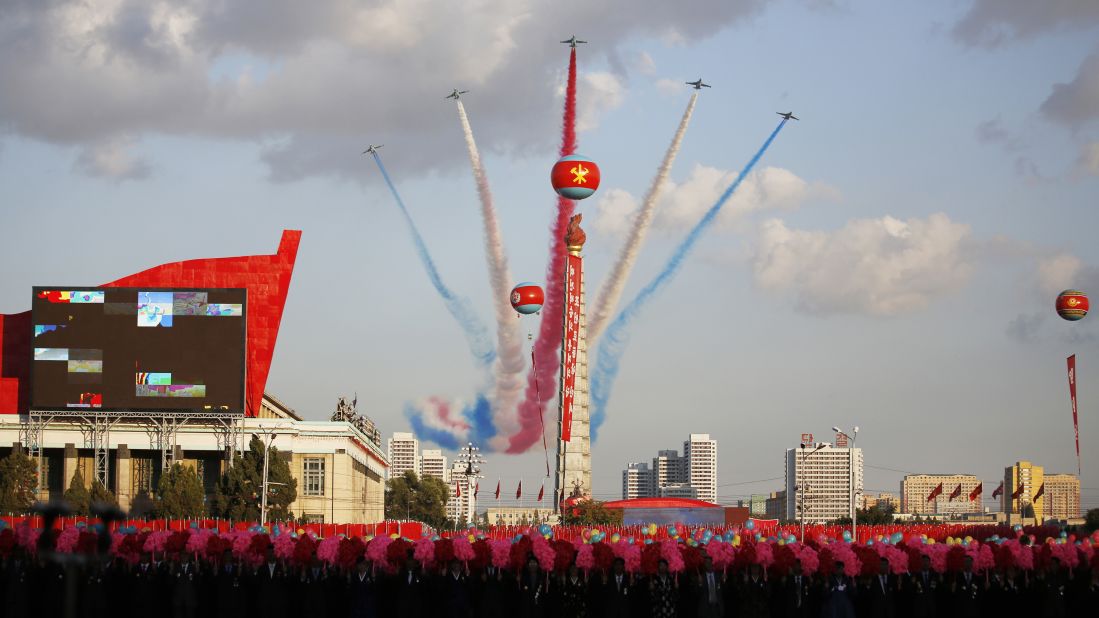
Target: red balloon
(527,298)
(575,177)
(1072,305)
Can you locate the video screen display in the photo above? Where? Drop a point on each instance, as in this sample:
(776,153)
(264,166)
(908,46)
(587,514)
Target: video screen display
(138,349)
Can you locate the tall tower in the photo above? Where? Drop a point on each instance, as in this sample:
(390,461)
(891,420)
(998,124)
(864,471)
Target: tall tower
(573,479)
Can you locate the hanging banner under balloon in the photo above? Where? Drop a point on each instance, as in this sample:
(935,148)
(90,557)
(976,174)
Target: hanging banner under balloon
(569,351)
(1072,395)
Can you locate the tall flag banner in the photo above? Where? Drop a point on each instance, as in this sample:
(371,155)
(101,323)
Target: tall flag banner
(519,491)
(1018,492)
(457,489)
(541,491)
(956,493)
(999,491)
(1072,395)
(476,488)
(935,493)
(976,493)
(572,343)
(1041,490)
(497,490)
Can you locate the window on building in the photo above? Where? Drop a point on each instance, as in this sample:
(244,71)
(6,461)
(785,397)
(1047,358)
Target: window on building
(313,518)
(313,476)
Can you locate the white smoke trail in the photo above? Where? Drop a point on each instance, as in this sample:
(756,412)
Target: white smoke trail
(510,362)
(611,291)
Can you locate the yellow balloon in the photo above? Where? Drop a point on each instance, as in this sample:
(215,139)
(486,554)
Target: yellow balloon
(930,541)
(470,537)
(394,536)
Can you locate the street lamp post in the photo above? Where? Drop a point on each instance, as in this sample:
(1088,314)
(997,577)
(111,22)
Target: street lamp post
(473,460)
(802,488)
(263,486)
(851,465)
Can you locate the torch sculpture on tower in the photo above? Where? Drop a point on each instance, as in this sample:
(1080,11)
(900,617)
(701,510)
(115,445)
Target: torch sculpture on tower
(573,479)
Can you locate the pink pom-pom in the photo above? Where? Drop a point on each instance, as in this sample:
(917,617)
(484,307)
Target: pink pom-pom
(501,553)
(27,537)
(839,552)
(543,551)
(669,550)
(898,560)
(630,554)
(765,557)
(66,541)
(156,540)
(198,540)
(284,546)
(463,549)
(424,551)
(721,553)
(376,550)
(810,561)
(328,550)
(1067,554)
(585,556)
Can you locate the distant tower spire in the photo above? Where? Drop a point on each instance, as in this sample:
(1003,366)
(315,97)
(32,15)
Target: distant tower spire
(573,478)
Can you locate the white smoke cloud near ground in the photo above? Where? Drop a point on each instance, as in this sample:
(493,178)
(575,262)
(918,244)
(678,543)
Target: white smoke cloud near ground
(882,266)
(611,292)
(510,364)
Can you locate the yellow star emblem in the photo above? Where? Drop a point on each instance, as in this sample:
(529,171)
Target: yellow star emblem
(579,173)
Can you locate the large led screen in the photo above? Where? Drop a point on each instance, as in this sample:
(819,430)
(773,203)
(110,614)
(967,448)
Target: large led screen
(138,349)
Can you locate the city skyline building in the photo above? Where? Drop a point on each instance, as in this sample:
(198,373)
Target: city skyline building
(824,476)
(1020,500)
(700,454)
(692,475)
(917,488)
(638,481)
(403,450)
(434,463)
(1063,496)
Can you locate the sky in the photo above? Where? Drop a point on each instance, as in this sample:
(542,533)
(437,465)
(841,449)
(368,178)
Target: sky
(892,262)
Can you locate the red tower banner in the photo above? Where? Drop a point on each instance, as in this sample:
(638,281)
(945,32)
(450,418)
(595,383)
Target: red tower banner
(572,343)
(1072,395)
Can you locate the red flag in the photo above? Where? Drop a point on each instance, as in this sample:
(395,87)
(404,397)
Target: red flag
(935,493)
(497,490)
(1041,490)
(476,488)
(977,491)
(457,490)
(519,491)
(541,491)
(1018,492)
(1072,395)
(999,491)
(956,493)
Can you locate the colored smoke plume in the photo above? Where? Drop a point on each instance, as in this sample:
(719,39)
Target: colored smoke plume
(475,332)
(509,347)
(542,384)
(617,336)
(611,291)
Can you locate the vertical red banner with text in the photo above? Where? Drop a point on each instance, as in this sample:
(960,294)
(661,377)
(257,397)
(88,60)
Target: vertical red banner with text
(1072,395)
(569,351)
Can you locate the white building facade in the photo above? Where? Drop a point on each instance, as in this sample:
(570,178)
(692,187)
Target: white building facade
(638,481)
(433,463)
(820,482)
(700,453)
(404,454)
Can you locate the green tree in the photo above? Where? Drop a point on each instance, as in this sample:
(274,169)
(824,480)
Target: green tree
(590,513)
(238,492)
(18,479)
(77,494)
(101,495)
(179,493)
(424,500)
(1091,520)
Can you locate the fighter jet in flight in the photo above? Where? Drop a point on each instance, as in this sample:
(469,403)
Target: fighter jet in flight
(573,42)
(788,115)
(372,149)
(457,94)
(698,85)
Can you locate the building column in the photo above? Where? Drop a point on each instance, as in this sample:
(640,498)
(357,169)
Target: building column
(123,471)
(69,468)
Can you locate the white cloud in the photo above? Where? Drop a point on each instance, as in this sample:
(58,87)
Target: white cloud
(644,63)
(112,159)
(603,92)
(668,86)
(1077,102)
(993,22)
(1058,272)
(870,266)
(613,212)
(1088,161)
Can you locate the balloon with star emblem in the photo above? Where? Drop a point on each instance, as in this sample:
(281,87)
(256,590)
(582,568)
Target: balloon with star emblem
(1072,305)
(575,177)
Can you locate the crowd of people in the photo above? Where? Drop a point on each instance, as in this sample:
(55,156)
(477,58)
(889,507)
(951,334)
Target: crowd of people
(177,585)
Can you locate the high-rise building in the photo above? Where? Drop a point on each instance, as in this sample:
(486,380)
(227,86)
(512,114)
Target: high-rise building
(404,454)
(775,506)
(433,463)
(1062,496)
(464,505)
(701,455)
(884,500)
(638,482)
(824,476)
(669,468)
(679,490)
(1021,484)
(757,505)
(916,488)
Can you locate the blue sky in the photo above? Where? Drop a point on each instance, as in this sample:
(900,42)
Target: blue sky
(152,147)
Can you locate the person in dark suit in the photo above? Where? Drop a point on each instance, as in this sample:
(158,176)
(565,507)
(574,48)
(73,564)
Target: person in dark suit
(269,587)
(754,594)
(709,591)
(18,583)
(880,592)
(533,589)
(923,591)
(491,593)
(362,593)
(574,594)
(966,592)
(454,592)
(795,595)
(663,592)
(616,597)
(313,589)
(146,583)
(410,590)
(185,582)
(839,594)
(230,588)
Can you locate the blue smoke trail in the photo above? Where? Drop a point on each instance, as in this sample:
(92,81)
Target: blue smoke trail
(422,431)
(479,416)
(614,340)
(476,334)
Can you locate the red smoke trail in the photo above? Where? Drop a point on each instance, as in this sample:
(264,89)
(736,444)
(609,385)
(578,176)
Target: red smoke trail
(542,385)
